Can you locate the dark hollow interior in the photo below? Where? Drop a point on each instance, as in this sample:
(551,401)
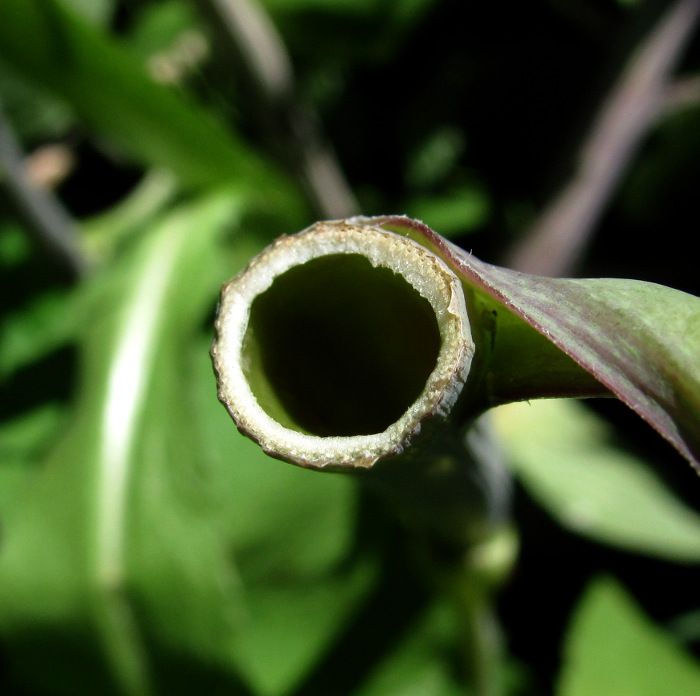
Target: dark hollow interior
(339,347)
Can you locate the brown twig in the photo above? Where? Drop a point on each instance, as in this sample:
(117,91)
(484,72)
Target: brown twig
(555,241)
(45,219)
(253,43)
(683,92)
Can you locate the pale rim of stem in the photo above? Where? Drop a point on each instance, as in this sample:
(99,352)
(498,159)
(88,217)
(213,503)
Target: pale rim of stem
(422,270)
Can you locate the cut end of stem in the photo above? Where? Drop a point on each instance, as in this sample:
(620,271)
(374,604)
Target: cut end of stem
(336,344)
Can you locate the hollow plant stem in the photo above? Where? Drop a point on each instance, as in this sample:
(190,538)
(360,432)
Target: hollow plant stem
(347,348)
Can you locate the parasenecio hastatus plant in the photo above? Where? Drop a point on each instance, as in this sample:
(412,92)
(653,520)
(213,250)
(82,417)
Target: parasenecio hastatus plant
(374,345)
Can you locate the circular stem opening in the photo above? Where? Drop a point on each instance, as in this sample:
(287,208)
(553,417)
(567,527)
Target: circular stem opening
(336,345)
(339,347)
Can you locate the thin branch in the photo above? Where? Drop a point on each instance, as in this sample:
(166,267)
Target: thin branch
(259,45)
(682,93)
(253,43)
(45,219)
(557,238)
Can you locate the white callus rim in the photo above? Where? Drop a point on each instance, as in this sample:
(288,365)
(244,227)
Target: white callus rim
(426,273)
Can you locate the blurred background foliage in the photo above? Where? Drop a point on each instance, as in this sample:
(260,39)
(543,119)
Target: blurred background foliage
(148,148)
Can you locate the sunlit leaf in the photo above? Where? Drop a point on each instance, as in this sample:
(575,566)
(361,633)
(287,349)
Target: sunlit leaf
(156,532)
(119,509)
(612,649)
(565,456)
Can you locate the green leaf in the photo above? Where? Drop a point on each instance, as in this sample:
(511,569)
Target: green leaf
(288,626)
(156,545)
(292,531)
(156,27)
(456,212)
(108,87)
(419,663)
(612,649)
(23,442)
(14,245)
(57,317)
(34,114)
(107,231)
(640,340)
(565,457)
(119,509)
(96,11)
(33,331)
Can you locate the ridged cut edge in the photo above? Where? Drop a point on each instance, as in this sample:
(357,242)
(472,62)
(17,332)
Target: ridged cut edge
(422,269)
